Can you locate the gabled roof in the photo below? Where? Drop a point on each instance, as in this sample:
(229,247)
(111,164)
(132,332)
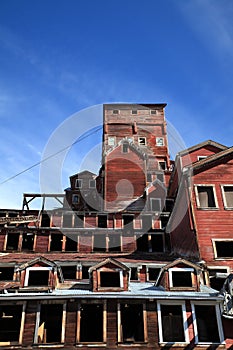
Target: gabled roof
(83,173)
(35,261)
(211,159)
(202,145)
(131,145)
(175,263)
(117,263)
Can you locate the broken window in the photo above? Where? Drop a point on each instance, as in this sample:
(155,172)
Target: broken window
(79,221)
(50,325)
(102,221)
(12,241)
(110,279)
(172,323)
(56,242)
(91,323)
(228,196)
(205,197)
(157,243)
(45,220)
(224,249)
(10,322)
(132,324)
(99,244)
(142,243)
(155,204)
(180,277)
(153,273)
(27,241)
(6,273)
(38,277)
(69,272)
(114,242)
(71,243)
(207,327)
(142,141)
(217,277)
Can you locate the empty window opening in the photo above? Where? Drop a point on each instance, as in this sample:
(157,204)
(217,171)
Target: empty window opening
(162,165)
(128,221)
(91,324)
(224,249)
(155,204)
(110,279)
(12,241)
(114,242)
(38,278)
(169,205)
(134,111)
(99,244)
(142,141)
(142,243)
(125,148)
(67,220)
(134,274)
(10,322)
(115,111)
(146,222)
(102,221)
(157,243)
(153,273)
(228,195)
(85,272)
(153,111)
(164,221)
(69,272)
(132,323)
(206,197)
(45,220)
(50,325)
(56,242)
(79,221)
(217,278)
(92,184)
(78,183)
(6,273)
(71,243)
(172,323)
(27,241)
(207,330)
(181,279)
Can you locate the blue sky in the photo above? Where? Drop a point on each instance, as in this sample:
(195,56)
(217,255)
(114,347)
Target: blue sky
(59,57)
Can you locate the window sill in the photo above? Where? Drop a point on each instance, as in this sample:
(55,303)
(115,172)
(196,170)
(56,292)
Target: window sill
(89,344)
(170,344)
(208,208)
(49,345)
(201,344)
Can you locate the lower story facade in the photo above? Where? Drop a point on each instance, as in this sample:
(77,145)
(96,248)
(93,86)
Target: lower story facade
(110,322)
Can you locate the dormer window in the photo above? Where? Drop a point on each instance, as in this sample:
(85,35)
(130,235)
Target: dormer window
(111,279)
(37,276)
(181,277)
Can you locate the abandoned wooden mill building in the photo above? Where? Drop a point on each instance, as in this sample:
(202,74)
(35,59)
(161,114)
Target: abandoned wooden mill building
(138,256)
